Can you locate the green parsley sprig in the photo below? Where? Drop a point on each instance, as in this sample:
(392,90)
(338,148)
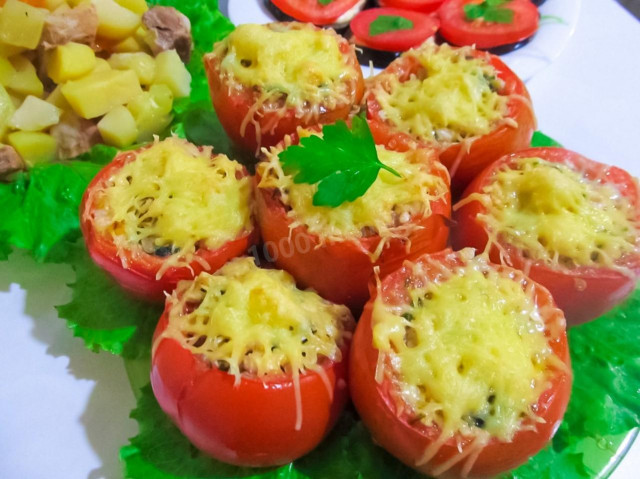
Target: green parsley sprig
(489,11)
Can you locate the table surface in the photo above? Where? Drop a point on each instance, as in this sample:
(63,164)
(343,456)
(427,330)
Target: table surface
(64,410)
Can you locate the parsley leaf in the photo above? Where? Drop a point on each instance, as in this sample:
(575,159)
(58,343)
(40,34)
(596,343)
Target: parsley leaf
(325,2)
(389,23)
(489,11)
(540,139)
(344,163)
(103,315)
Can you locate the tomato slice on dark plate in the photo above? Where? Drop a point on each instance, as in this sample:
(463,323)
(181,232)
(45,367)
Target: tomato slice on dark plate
(424,6)
(315,11)
(392,29)
(457,29)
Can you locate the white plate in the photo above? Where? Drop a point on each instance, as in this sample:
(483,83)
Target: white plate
(558,22)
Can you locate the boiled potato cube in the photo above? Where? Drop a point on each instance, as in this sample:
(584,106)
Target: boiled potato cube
(21,24)
(115,22)
(55,4)
(56,98)
(152,111)
(136,6)
(6,111)
(118,127)
(35,115)
(98,93)
(7,51)
(6,71)
(25,80)
(70,61)
(128,45)
(102,65)
(33,147)
(143,64)
(171,71)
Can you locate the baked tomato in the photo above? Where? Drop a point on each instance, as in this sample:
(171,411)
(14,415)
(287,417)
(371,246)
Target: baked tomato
(570,223)
(152,217)
(334,250)
(266,80)
(317,11)
(252,370)
(477,22)
(460,368)
(464,102)
(425,6)
(392,29)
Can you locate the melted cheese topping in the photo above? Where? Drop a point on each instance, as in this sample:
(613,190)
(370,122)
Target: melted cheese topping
(476,369)
(294,63)
(454,96)
(558,216)
(386,208)
(248,320)
(174,198)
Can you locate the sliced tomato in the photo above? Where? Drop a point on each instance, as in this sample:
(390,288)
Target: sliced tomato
(250,423)
(457,29)
(340,271)
(395,429)
(583,292)
(421,27)
(319,12)
(463,165)
(136,271)
(424,6)
(233,101)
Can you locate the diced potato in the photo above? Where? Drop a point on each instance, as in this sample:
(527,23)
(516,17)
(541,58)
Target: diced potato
(55,4)
(56,98)
(9,50)
(34,147)
(6,111)
(143,64)
(35,115)
(171,71)
(16,99)
(21,24)
(98,93)
(128,45)
(6,71)
(102,65)
(75,3)
(152,111)
(70,61)
(115,22)
(25,81)
(118,127)
(136,6)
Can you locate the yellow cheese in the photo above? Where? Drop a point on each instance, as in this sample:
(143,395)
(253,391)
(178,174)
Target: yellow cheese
(454,99)
(297,65)
(385,208)
(476,368)
(175,198)
(558,216)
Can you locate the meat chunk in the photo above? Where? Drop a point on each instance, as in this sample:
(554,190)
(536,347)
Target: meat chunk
(78,25)
(10,161)
(168,30)
(75,135)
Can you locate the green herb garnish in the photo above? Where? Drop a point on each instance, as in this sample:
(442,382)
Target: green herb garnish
(490,11)
(344,163)
(389,23)
(325,2)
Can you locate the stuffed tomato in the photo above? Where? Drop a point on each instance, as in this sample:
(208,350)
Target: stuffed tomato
(466,103)
(166,212)
(334,250)
(251,369)
(570,223)
(332,13)
(266,80)
(460,368)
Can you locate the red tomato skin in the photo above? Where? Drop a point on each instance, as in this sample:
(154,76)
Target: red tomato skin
(583,293)
(340,271)
(312,11)
(408,442)
(425,26)
(456,30)
(484,150)
(232,104)
(424,6)
(250,424)
(139,277)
